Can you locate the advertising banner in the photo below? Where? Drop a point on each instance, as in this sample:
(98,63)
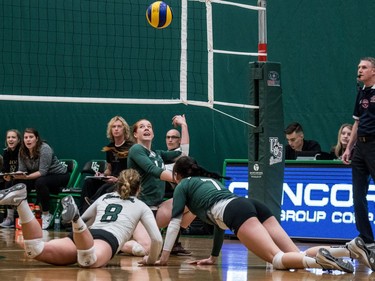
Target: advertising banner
(316,199)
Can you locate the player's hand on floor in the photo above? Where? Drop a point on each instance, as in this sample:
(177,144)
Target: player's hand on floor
(208,261)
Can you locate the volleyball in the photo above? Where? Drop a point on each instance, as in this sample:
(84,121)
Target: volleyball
(159,15)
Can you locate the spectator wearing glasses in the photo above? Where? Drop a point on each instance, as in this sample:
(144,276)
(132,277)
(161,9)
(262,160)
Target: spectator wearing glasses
(176,141)
(173,139)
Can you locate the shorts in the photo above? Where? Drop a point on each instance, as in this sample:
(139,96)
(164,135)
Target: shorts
(105,236)
(241,209)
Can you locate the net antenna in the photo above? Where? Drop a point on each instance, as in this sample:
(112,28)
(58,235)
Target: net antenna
(262,25)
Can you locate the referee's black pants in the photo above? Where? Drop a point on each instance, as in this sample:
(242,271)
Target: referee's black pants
(363,166)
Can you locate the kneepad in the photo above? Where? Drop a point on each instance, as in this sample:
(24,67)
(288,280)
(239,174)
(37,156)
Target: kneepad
(33,248)
(86,258)
(277,261)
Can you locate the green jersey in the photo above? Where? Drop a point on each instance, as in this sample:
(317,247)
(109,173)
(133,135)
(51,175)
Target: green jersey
(199,194)
(150,164)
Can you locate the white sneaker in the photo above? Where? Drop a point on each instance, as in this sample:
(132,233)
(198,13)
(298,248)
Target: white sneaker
(14,195)
(360,251)
(46,221)
(70,211)
(327,261)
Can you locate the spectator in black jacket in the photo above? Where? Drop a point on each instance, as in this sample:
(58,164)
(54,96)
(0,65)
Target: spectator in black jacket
(296,142)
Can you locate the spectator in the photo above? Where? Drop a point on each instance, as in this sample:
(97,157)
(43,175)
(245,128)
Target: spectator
(118,133)
(343,138)
(176,142)
(296,142)
(43,171)
(10,165)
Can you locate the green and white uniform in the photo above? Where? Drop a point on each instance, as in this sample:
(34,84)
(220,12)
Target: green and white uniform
(120,217)
(150,165)
(210,201)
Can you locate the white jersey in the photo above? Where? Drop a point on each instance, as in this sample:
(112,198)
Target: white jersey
(120,217)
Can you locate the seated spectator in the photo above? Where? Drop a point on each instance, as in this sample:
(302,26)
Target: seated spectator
(296,142)
(118,133)
(343,138)
(42,171)
(10,165)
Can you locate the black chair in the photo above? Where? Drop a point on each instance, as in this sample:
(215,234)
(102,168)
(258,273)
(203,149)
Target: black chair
(89,169)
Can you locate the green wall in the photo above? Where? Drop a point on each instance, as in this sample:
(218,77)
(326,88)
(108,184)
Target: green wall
(108,50)
(319,44)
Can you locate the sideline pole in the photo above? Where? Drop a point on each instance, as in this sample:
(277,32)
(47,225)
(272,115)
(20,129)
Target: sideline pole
(266,140)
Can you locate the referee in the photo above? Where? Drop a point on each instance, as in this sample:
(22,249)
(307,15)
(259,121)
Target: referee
(361,147)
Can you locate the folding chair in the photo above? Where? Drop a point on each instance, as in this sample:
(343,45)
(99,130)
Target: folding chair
(90,168)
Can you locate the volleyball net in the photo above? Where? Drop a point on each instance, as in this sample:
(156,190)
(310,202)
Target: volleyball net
(104,51)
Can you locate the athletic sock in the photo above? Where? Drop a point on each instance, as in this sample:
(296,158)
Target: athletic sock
(79,226)
(309,262)
(24,212)
(10,214)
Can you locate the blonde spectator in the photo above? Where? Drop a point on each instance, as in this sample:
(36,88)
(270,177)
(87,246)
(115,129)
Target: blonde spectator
(343,138)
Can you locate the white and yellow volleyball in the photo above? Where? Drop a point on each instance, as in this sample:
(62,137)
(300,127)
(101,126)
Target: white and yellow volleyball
(159,15)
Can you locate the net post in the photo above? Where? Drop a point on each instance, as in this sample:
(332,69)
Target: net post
(262,31)
(266,141)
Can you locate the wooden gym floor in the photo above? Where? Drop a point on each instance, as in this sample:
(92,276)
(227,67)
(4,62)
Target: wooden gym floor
(235,264)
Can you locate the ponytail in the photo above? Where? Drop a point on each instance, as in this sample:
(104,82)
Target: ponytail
(186,166)
(128,184)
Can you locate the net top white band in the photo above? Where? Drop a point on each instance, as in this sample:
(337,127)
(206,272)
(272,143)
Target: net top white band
(250,7)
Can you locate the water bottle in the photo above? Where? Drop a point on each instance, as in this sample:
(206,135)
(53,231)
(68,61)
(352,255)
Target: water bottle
(57,222)
(37,212)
